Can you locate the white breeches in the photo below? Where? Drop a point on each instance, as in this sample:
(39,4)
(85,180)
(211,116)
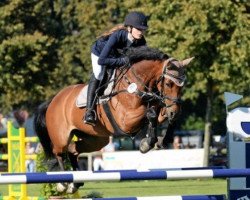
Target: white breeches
(97,69)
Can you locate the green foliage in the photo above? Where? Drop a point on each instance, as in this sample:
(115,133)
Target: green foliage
(210,31)
(45,46)
(93,194)
(49,189)
(193,123)
(23,77)
(217,34)
(137,188)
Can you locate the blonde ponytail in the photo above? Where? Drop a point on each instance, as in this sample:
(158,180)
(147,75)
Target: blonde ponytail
(112,30)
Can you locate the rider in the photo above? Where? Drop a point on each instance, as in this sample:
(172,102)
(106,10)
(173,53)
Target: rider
(107,52)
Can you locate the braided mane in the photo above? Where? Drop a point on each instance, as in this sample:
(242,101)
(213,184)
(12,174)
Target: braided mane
(145,53)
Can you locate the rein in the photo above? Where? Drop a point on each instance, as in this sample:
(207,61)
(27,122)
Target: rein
(151,96)
(148,95)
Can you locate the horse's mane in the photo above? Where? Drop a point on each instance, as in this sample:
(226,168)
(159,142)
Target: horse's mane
(145,53)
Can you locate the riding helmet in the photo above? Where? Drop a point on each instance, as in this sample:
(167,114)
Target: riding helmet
(137,20)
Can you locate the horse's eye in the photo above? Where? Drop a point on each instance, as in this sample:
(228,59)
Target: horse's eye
(169,84)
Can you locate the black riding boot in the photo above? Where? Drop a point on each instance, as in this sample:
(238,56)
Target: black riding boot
(90,116)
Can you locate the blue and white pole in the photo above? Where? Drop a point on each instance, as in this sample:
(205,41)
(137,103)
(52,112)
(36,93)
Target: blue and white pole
(195,197)
(88,176)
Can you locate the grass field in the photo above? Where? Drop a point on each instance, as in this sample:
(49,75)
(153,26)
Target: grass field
(143,188)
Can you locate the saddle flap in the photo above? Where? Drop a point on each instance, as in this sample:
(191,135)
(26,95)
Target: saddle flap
(81,99)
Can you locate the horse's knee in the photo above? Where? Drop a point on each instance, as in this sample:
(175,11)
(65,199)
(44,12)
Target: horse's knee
(72,148)
(60,148)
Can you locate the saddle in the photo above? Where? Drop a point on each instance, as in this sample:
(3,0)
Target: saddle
(107,81)
(103,98)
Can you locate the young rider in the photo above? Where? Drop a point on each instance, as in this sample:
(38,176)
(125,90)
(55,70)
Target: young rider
(106,52)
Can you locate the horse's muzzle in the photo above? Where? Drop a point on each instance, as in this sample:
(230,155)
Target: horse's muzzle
(170,113)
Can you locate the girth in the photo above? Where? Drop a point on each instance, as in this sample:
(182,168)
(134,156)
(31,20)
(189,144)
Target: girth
(117,130)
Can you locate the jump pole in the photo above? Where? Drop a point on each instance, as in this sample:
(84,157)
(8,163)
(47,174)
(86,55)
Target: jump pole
(87,176)
(239,151)
(195,197)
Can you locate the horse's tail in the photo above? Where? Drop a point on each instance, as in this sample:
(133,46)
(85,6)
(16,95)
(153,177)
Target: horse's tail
(41,129)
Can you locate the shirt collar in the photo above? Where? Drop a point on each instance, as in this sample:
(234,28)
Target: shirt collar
(130,38)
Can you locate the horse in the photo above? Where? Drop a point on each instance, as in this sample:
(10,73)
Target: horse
(147,92)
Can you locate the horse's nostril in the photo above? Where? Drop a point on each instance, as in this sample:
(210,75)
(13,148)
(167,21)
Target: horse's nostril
(172,115)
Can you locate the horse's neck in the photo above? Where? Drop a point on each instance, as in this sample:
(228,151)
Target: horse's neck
(128,109)
(143,74)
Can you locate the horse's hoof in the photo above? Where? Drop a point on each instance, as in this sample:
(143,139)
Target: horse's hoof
(145,145)
(61,187)
(71,188)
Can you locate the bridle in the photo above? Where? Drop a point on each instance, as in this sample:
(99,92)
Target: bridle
(178,80)
(150,95)
(159,96)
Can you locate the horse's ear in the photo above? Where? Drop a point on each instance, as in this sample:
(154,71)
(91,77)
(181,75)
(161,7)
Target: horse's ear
(187,61)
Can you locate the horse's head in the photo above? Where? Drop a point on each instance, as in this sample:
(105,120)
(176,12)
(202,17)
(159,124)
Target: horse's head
(158,79)
(169,85)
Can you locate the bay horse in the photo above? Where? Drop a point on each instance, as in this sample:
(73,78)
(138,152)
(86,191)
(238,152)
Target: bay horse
(145,93)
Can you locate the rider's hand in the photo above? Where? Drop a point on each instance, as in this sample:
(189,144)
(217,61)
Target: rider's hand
(126,61)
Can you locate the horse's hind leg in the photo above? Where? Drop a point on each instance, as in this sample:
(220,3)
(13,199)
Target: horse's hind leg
(61,187)
(60,152)
(73,157)
(70,188)
(86,143)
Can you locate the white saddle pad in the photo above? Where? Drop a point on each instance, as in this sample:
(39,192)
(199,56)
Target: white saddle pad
(81,100)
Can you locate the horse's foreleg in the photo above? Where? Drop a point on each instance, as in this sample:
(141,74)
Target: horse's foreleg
(148,143)
(163,142)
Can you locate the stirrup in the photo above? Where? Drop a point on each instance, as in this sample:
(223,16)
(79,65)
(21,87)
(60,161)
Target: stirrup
(90,117)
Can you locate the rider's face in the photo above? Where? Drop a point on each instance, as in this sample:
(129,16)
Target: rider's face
(137,33)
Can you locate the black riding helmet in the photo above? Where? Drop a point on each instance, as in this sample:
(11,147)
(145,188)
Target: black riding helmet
(137,20)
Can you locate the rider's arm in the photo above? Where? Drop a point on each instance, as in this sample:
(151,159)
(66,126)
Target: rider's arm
(104,58)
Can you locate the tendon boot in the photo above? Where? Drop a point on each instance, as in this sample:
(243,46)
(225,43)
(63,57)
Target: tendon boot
(90,116)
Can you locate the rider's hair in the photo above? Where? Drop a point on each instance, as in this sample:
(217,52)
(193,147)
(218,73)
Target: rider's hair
(112,30)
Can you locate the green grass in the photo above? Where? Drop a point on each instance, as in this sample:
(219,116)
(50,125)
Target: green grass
(143,188)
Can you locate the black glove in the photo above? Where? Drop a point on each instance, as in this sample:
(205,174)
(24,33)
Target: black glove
(126,61)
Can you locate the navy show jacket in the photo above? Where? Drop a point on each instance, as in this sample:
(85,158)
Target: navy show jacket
(110,49)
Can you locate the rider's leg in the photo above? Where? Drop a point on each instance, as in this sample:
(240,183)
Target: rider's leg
(97,76)
(90,116)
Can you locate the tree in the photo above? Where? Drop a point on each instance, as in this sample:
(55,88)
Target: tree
(26,53)
(45,46)
(217,34)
